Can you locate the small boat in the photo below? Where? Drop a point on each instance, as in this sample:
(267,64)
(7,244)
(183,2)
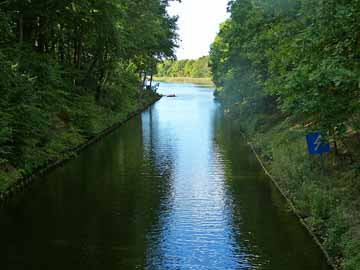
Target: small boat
(171,95)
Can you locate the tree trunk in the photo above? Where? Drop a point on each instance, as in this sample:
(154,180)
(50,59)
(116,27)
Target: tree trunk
(61,46)
(79,54)
(92,67)
(21,28)
(75,47)
(144,80)
(151,79)
(99,87)
(62,53)
(28,26)
(333,133)
(41,34)
(358,136)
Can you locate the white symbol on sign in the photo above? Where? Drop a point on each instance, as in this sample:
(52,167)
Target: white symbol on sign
(318,143)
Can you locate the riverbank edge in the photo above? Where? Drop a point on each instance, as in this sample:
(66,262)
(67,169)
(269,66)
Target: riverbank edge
(201,81)
(23,183)
(292,206)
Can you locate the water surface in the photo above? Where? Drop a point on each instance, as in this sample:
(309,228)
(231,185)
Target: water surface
(173,188)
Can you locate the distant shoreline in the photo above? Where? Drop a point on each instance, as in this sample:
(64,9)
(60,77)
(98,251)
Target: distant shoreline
(202,81)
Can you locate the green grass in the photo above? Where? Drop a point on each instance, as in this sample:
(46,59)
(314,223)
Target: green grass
(202,81)
(330,204)
(91,120)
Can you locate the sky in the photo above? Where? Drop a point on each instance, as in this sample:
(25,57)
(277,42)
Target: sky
(199,22)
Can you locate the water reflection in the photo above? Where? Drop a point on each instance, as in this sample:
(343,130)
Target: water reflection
(196,225)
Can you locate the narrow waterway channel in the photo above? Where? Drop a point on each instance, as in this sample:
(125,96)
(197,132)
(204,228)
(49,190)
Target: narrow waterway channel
(173,188)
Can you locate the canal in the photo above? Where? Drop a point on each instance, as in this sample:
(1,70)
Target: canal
(174,188)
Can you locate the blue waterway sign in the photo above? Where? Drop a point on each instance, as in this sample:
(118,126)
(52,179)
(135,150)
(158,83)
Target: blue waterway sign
(316,144)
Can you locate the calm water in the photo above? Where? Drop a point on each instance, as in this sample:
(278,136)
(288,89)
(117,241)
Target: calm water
(174,188)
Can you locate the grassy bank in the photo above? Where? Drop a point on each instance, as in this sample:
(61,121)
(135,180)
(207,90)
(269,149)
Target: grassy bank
(68,138)
(284,70)
(69,75)
(328,201)
(202,81)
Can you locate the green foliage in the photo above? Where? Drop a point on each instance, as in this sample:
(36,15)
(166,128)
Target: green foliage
(185,68)
(352,246)
(296,52)
(287,67)
(330,203)
(70,69)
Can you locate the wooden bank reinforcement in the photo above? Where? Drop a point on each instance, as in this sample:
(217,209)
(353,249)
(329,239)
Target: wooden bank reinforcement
(292,206)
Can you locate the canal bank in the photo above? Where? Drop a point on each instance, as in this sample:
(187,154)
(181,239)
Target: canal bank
(23,183)
(326,204)
(293,208)
(200,81)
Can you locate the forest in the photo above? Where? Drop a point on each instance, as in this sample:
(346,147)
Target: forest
(69,69)
(285,68)
(198,68)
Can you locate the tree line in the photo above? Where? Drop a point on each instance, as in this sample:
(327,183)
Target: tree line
(70,67)
(289,67)
(198,68)
(299,57)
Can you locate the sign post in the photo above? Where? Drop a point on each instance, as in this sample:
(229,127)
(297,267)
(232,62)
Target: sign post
(317,146)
